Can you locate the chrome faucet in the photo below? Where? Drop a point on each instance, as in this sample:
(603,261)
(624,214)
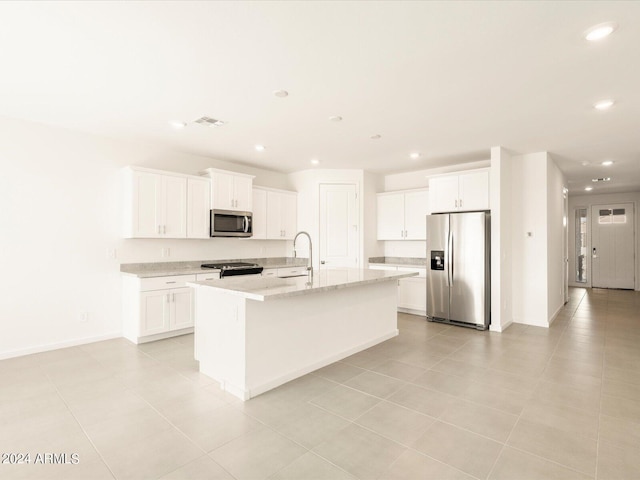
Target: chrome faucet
(310,266)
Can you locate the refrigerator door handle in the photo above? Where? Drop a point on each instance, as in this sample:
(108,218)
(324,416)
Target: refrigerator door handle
(450,258)
(447,257)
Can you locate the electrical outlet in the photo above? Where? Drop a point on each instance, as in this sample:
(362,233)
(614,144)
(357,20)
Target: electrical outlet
(112,253)
(166,252)
(83,317)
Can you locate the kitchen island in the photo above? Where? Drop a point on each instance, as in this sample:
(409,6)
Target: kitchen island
(253,334)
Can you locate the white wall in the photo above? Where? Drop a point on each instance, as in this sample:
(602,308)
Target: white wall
(555,239)
(500,188)
(529,217)
(373,184)
(586,201)
(61,193)
(537,242)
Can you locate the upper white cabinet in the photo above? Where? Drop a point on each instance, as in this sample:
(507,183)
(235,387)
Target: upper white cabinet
(281,214)
(402,215)
(165,205)
(156,205)
(230,190)
(459,193)
(198,207)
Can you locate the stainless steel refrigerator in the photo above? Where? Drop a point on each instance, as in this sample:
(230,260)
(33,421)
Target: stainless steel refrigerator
(458,273)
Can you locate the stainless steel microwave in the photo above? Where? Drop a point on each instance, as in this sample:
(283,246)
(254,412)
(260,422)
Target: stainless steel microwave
(229,223)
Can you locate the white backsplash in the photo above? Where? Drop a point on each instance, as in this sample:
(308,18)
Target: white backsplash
(405,248)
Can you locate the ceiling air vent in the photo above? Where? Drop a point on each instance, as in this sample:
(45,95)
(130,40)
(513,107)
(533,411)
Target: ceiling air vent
(602,179)
(210,122)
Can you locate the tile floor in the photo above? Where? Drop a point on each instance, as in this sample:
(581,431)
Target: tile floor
(436,402)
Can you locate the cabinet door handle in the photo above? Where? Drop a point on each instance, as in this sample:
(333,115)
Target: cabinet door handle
(456,203)
(168,297)
(405,234)
(460,203)
(170,282)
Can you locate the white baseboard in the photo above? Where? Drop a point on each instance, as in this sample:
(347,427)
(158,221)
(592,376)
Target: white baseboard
(55,346)
(500,328)
(555,315)
(159,336)
(411,311)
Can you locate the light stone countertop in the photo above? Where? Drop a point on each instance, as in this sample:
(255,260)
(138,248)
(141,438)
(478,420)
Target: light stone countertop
(165,269)
(268,288)
(419,262)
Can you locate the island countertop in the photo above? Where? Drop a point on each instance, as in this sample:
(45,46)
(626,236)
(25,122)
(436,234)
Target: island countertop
(268,288)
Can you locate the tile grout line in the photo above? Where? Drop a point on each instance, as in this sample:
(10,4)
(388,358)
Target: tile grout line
(84,432)
(495,463)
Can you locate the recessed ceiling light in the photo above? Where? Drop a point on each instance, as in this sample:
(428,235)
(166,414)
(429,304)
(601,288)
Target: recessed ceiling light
(606,163)
(584,164)
(376,136)
(178,125)
(604,104)
(588,189)
(335,118)
(600,31)
(315,161)
(281,93)
(259,148)
(414,155)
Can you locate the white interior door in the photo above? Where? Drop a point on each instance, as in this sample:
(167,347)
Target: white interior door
(612,234)
(339,225)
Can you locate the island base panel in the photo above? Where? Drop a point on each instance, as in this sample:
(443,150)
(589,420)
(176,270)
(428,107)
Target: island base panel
(251,346)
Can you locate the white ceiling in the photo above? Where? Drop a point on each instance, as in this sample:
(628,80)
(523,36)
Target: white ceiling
(447,79)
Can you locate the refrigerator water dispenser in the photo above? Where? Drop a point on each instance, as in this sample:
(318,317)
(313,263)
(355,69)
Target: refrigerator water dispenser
(437,259)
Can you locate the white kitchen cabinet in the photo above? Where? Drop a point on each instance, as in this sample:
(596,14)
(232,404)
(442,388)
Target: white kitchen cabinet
(157,307)
(259,219)
(161,204)
(402,215)
(285,272)
(391,216)
(460,193)
(281,215)
(269,272)
(198,207)
(230,190)
(156,205)
(412,291)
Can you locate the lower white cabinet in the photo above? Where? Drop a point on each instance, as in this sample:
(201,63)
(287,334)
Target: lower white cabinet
(284,272)
(157,307)
(412,291)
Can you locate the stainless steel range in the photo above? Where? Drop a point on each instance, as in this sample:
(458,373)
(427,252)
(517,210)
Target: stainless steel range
(229,269)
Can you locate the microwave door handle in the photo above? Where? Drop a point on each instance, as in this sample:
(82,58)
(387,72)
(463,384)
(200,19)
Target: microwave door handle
(245,224)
